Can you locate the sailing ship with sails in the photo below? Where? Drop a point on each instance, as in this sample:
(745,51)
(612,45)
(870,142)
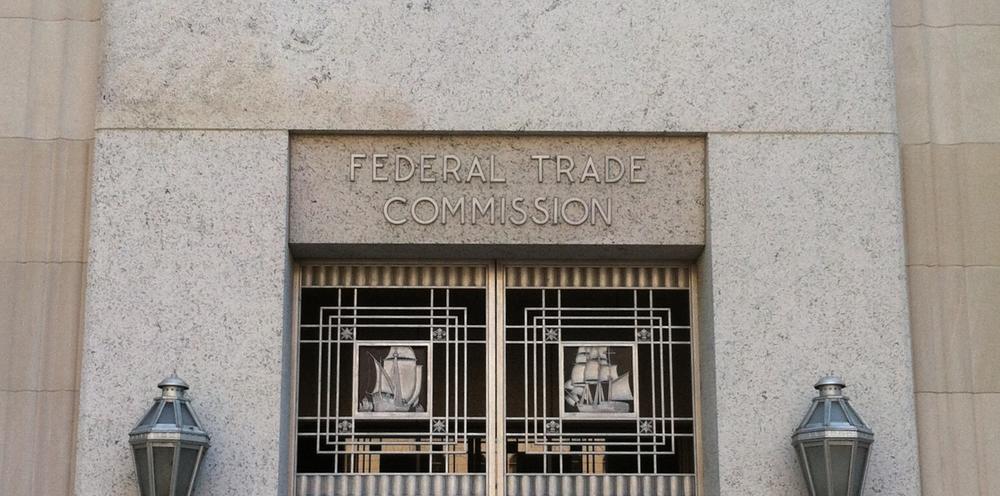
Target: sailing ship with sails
(398,383)
(595,386)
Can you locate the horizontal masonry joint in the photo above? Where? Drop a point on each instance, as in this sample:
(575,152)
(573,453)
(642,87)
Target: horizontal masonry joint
(45,140)
(960,266)
(945,26)
(39,390)
(949,143)
(43,262)
(958,392)
(39,19)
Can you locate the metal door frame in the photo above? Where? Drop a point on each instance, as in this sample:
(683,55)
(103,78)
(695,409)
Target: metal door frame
(496,463)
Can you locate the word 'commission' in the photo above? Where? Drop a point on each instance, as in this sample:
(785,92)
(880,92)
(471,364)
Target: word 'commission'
(496,209)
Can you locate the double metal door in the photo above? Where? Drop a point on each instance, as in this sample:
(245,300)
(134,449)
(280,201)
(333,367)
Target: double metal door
(487,379)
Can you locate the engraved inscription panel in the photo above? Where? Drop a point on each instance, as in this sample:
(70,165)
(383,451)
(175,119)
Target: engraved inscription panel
(473,189)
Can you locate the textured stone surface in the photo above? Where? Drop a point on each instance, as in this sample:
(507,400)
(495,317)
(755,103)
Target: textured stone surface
(959,443)
(944,13)
(948,439)
(800,261)
(942,338)
(978,171)
(188,260)
(52,10)
(947,67)
(666,208)
(912,86)
(988,442)
(805,274)
(50,52)
(946,81)
(36,437)
(933,226)
(48,85)
(649,65)
(43,199)
(954,319)
(40,333)
(984,328)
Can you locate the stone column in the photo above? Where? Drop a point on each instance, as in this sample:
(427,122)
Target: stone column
(189,271)
(48,86)
(948,94)
(803,275)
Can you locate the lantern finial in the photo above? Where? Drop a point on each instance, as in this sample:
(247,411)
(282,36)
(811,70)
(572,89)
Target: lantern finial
(173,386)
(830,385)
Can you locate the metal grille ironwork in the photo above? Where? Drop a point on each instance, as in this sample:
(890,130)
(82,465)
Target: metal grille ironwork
(598,380)
(397,394)
(391,376)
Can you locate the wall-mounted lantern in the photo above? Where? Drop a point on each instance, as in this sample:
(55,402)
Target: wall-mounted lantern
(168,443)
(833,443)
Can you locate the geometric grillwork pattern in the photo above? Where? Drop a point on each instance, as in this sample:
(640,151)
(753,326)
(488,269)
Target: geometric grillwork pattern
(593,386)
(391,380)
(598,381)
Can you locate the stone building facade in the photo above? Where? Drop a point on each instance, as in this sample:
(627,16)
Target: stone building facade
(834,206)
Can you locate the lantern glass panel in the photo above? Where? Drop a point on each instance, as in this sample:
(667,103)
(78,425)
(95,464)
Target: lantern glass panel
(840,468)
(186,417)
(853,415)
(185,469)
(816,458)
(142,470)
(860,459)
(163,463)
(150,417)
(818,415)
(837,415)
(168,416)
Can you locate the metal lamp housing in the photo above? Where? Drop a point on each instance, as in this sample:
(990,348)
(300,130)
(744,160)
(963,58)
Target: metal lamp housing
(833,443)
(168,444)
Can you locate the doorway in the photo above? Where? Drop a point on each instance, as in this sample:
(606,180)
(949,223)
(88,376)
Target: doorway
(494,378)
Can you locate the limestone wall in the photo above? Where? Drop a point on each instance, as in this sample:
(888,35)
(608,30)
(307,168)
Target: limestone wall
(784,93)
(947,57)
(804,242)
(48,86)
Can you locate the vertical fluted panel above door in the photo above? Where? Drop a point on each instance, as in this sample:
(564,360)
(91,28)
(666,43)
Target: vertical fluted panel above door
(391,485)
(475,485)
(601,485)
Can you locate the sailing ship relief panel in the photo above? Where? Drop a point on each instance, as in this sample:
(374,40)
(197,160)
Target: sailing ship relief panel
(598,380)
(393,383)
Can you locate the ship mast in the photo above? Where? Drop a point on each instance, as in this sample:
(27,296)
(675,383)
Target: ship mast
(397,386)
